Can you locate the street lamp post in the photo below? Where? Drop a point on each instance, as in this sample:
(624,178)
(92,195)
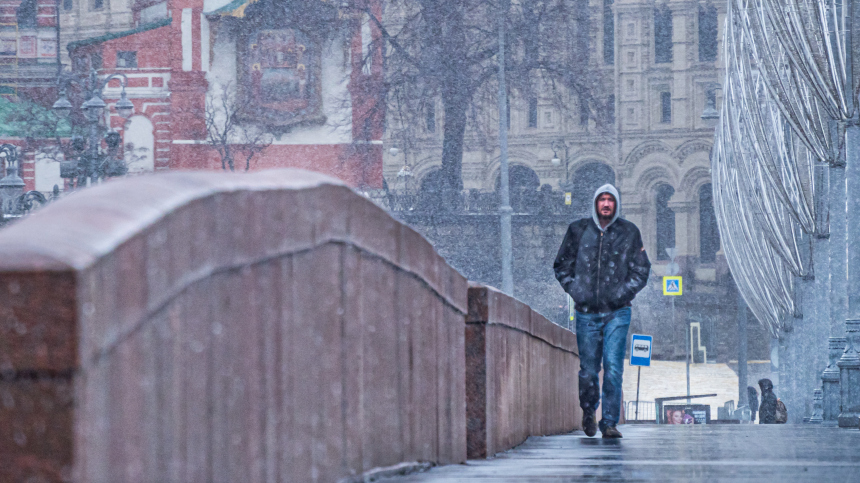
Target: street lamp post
(557,146)
(505,209)
(14,202)
(11,186)
(405,175)
(90,165)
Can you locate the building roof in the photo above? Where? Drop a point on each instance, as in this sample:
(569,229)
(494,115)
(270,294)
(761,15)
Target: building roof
(26,119)
(115,35)
(236,8)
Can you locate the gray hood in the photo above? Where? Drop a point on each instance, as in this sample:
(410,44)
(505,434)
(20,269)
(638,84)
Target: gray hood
(607,188)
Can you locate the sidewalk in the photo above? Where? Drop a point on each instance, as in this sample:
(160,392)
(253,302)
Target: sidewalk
(747,453)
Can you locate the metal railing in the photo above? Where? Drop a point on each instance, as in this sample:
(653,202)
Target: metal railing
(646,411)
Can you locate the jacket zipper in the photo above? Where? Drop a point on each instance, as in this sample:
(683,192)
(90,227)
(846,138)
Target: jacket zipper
(599,256)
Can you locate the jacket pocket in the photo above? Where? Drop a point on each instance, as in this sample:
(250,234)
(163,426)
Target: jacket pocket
(579,292)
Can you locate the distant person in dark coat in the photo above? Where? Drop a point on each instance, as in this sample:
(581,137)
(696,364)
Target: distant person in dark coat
(767,410)
(752,394)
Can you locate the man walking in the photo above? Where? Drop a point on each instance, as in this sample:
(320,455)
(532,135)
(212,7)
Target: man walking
(602,265)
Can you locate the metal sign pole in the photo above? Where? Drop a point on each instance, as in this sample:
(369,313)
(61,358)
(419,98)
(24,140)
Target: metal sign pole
(638,378)
(640,355)
(687,349)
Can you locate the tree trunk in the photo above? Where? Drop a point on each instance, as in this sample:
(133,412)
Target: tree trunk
(456,96)
(455,104)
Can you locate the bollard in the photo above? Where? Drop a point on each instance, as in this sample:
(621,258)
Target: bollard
(817,410)
(832,403)
(849,377)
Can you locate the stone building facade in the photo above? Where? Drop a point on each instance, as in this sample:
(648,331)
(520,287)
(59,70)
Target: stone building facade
(305,94)
(28,49)
(663,65)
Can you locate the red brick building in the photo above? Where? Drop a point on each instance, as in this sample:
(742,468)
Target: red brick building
(305,78)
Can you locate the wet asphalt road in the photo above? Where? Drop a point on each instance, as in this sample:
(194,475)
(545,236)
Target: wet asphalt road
(714,453)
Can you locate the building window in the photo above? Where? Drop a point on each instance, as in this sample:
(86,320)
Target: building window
(98,4)
(430,117)
(709,236)
(26,14)
(666,107)
(610,109)
(662,35)
(584,111)
(96,61)
(533,112)
(153,13)
(707,33)
(608,33)
(68,4)
(665,221)
(126,59)
(631,86)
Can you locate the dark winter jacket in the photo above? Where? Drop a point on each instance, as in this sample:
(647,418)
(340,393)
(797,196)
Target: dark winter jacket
(767,410)
(753,399)
(602,269)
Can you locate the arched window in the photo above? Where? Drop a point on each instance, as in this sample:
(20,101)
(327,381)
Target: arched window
(139,149)
(430,196)
(523,183)
(709,236)
(584,182)
(665,221)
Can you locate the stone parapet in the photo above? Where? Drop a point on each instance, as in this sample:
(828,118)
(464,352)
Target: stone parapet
(521,374)
(223,327)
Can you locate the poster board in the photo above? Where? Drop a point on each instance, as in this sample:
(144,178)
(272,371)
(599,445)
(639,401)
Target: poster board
(687,414)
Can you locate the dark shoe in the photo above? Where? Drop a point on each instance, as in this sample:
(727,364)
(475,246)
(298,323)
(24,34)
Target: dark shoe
(589,424)
(611,432)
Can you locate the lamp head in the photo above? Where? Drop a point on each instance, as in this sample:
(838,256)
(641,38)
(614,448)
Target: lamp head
(124,107)
(62,108)
(94,108)
(405,172)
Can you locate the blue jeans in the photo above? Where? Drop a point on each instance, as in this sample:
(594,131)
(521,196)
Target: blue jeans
(602,337)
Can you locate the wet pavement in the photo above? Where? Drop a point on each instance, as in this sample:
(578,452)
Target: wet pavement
(773,453)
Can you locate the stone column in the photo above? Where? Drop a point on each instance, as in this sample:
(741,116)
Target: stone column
(786,367)
(809,362)
(743,395)
(849,377)
(849,363)
(832,402)
(817,417)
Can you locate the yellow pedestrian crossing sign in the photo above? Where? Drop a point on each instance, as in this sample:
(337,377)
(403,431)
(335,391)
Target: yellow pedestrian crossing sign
(673,286)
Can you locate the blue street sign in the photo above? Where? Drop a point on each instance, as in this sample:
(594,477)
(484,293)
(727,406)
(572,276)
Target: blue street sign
(640,350)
